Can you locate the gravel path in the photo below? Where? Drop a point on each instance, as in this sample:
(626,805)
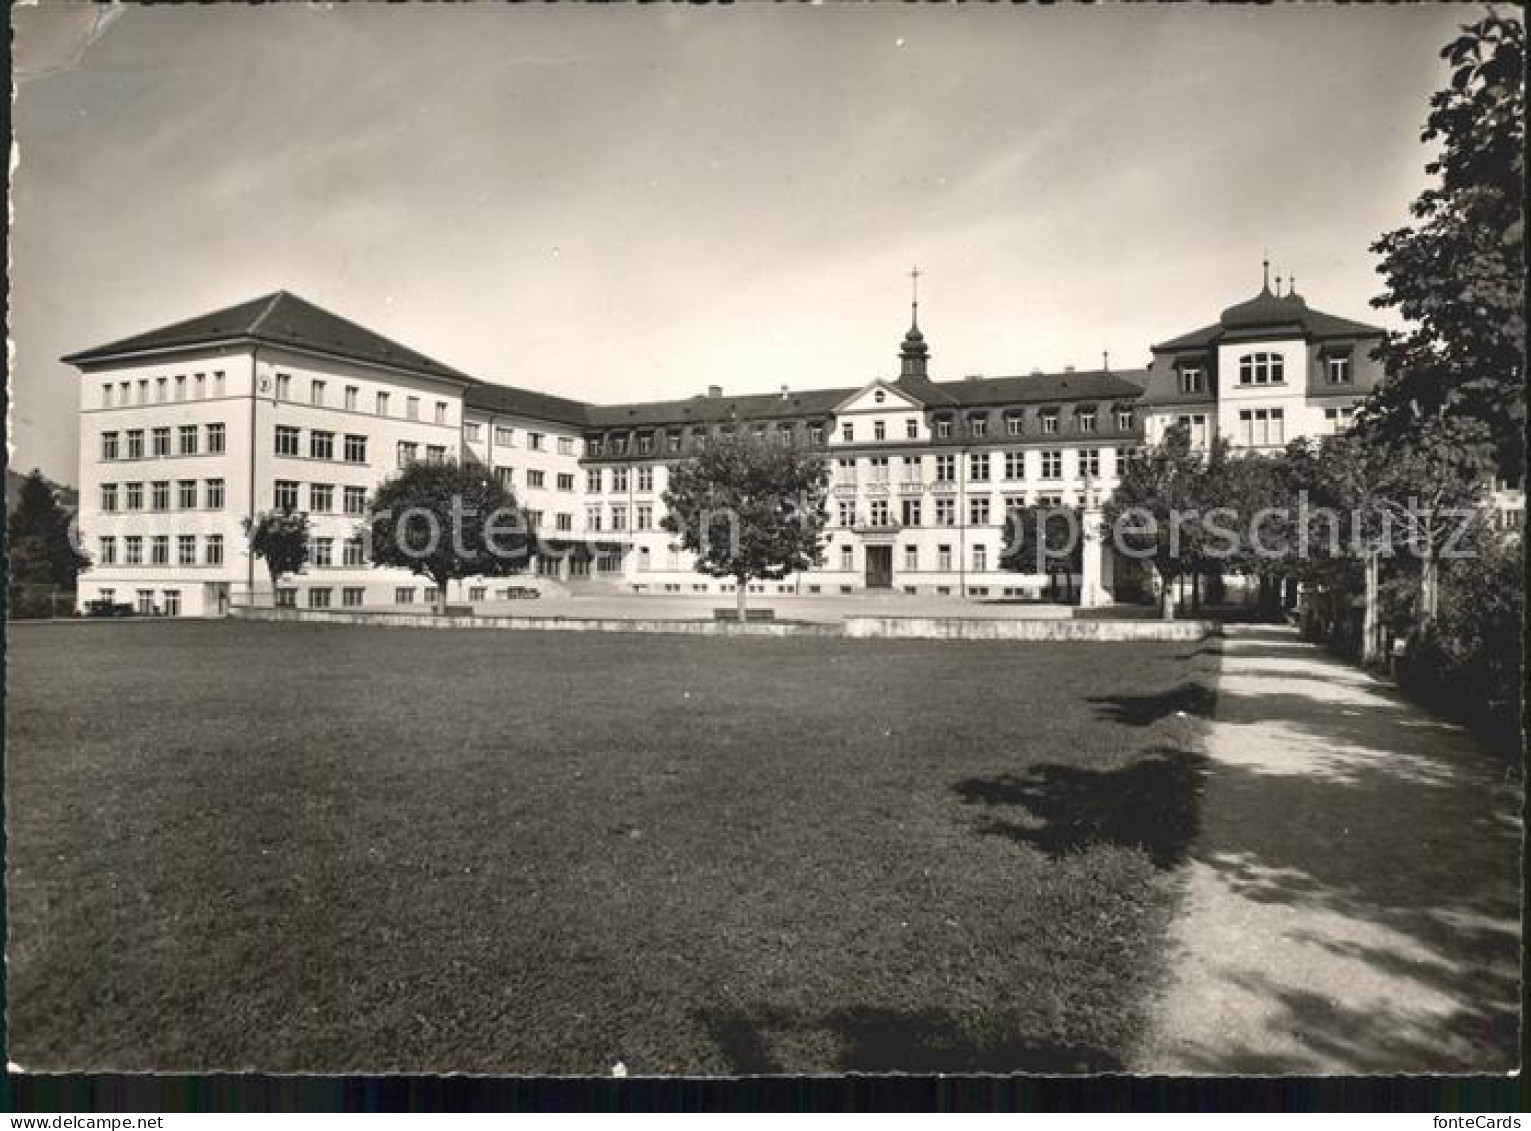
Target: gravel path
(1353,897)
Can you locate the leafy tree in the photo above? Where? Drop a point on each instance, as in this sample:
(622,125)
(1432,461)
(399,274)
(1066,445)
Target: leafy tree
(42,552)
(280,539)
(1158,512)
(1043,540)
(1457,275)
(447,521)
(749,509)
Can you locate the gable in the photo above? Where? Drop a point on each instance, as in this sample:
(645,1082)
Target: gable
(879,396)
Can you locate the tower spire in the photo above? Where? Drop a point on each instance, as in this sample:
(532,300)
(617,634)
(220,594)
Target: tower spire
(1265,265)
(914,353)
(914,297)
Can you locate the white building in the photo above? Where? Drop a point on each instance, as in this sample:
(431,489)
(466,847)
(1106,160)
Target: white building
(189,430)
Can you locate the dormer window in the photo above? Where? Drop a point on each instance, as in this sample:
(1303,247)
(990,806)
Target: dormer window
(1014,425)
(1050,422)
(645,444)
(1338,369)
(943,429)
(672,442)
(1124,419)
(1191,380)
(1261,369)
(592,445)
(1087,420)
(978,426)
(816,433)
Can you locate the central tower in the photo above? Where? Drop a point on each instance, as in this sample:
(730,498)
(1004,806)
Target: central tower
(914,354)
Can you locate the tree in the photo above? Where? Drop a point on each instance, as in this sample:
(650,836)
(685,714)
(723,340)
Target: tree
(42,551)
(748,509)
(1457,275)
(1043,540)
(1157,512)
(280,539)
(447,521)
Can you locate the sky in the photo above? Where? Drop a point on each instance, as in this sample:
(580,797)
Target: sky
(624,203)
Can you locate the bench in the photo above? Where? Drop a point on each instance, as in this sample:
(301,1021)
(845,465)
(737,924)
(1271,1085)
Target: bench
(750,615)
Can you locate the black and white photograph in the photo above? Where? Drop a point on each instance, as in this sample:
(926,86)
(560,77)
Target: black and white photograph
(765,540)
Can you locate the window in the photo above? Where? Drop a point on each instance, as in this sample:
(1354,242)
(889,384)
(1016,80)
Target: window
(911,512)
(848,431)
(1190,379)
(1014,425)
(1196,425)
(109,497)
(1087,420)
(978,466)
(286,440)
(201,386)
(566,445)
(322,552)
(403,596)
(593,481)
(672,442)
(1015,465)
(161,390)
(1338,369)
(946,468)
(1339,419)
(316,393)
(978,511)
(435,453)
(946,512)
(943,429)
(172,599)
(980,559)
(943,557)
(212,497)
(618,480)
(912,468)
(355,501)
(356,449)
(593,518)
(505,476)
(1262,427)
(213,551)
(912,428)
(136,443)
(563,521)
(1052,465)
(352,596)
(441,412)
(108,550)
(135,496)
(143,390)
(287,597)
(351,552)
(216,440)
(412,408)
(879,466)
(879,430)
(352,396)
(1089,462)
(159,549)
(847,512)
(645,479)
(321,497)
(187,492)
(911,559)
(1050,422)
(321,445)
(186,550)
(816,433)
(133,550)
(180,387)
(535,478)
(218,383)
(534,441)
(408,452)
(504,435)
(978,426)
(159,495)
(880,515)
(1261,369)
(646,443)
(188,439)
(106,395)
(566,481)
(284,495)
(848,558)
(284,386)
(472,431)
(619,518)
(319,598)
(160,439)
(645,516)
(382,404)
(108,445)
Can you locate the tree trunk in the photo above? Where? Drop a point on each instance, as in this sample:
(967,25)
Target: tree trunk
(1429,589)
(1196,590)
(441,597)
(741,593)
(1370,628)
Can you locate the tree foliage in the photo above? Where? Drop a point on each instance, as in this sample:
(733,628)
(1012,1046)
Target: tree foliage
(447,521)
(280,539)
(749,509)
(1457,274)
(42,550)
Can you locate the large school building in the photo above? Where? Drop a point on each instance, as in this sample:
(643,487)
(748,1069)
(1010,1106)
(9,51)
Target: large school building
(188,430)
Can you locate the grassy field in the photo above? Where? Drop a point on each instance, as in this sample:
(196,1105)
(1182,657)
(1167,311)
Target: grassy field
(293,847)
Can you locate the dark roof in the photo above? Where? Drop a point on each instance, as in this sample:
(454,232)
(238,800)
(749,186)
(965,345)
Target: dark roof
(280,319)
(1269,313)
(524,402)
(708,410)
(1081,385)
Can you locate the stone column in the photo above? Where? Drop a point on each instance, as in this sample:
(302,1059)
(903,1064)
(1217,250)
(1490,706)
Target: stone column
(1092,589)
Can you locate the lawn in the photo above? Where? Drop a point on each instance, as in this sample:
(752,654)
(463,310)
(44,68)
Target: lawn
(332,848)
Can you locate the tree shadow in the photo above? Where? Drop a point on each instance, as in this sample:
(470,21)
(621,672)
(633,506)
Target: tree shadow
(877,1040)
(1189,698)
(1151,804)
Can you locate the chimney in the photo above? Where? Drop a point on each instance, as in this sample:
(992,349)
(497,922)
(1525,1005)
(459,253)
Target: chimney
(715,391)
(1068,369)
(784,392)
(1036,372)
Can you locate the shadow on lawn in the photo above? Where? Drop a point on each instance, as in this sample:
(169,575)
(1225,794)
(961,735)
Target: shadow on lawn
(1190,698)
(886,1040)
(1152,804)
